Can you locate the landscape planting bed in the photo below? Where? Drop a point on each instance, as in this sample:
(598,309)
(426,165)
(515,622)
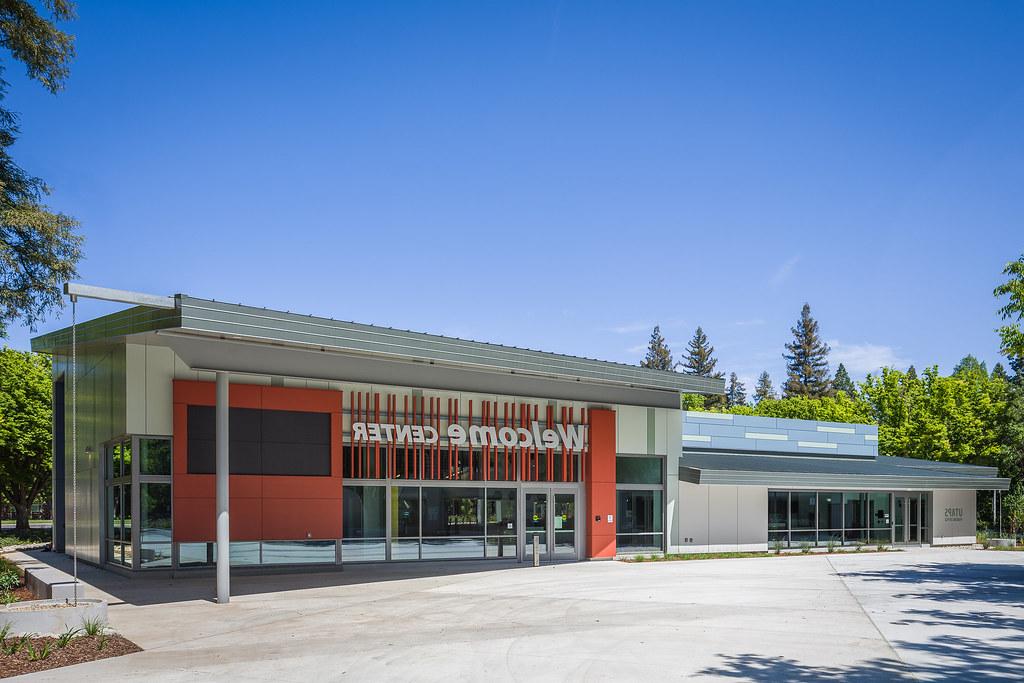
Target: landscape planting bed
(79,649)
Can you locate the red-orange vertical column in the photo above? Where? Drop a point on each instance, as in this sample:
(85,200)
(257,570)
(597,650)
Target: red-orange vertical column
(599,456)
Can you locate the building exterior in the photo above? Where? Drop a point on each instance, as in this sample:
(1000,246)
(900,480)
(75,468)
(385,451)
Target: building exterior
(355,443)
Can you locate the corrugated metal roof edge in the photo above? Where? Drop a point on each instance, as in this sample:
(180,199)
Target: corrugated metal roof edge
(695,475)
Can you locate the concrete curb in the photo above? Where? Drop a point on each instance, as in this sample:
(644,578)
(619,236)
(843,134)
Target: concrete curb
(50,617)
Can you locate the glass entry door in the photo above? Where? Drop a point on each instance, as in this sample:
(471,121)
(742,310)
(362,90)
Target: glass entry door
(907,520)
(550,517)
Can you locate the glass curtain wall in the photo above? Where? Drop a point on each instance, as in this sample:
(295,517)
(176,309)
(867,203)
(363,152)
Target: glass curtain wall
(824,517)
(138,487)
(428,523)
(639,504)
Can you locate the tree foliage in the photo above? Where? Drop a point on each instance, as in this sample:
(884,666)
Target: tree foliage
(764,389)
(1013,508)
(700,356)
(700,360)
(25,415)
(39,248)
(658,357)
(933,417)
(838,408)
(1010,335)
(843,383)
(806,359)
(735,392)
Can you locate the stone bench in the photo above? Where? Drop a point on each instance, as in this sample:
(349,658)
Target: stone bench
(47,583)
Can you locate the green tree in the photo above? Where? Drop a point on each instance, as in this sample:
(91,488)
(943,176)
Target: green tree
(691,401)
(911,372)
(838,408)
(735,392)
(1013,508)
(999,372)
(39,248)
(843,383)
(658,357)
(764,389)
(971,366)
(25,413)
(700,360)
(1010,335)
(932,417)
(807,359)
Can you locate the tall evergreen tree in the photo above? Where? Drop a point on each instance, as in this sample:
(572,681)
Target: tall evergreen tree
(843,383)
(807,359)
(658,357)
(700,359)
(969,365)
(764,389)
(911,373)
(735,392)
(999,372)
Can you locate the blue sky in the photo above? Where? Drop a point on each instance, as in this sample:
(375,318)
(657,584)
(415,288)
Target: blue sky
(556,175)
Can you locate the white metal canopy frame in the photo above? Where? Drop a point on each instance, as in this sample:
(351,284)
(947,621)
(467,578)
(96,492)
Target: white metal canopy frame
(74,291)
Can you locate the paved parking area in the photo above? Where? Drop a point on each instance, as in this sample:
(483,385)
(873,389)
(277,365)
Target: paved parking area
(924,614)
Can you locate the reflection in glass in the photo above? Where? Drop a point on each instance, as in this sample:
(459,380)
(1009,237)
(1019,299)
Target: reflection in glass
(363,550)
(452,548)
(856,510)
(298,552)
(536,522)
(155,508)
(565,524)
(802,509)
(778,510)
(830,510)
(363,512)
(155,456)
(405,549)
(405,512)
(636,470)
(452,511)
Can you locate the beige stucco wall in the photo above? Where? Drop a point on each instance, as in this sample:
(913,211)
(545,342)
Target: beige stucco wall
(954,517)
(721,518)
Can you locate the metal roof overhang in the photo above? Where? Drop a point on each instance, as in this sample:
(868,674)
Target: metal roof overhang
(210,335)
(806,472)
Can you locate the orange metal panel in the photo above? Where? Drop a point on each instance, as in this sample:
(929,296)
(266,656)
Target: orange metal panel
(286,519)
(600,485)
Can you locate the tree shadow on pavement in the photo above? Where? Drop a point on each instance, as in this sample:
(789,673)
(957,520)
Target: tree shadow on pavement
(973,609)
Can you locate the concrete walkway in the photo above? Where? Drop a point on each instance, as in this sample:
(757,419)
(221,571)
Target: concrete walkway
(929,614)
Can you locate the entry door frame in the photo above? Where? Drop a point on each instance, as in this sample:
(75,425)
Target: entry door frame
(903,498)
(550,489)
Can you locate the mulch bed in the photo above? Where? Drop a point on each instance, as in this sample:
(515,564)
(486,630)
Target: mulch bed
(22,592)
(80,649)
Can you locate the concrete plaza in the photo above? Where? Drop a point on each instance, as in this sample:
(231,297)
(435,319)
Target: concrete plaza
(928,614)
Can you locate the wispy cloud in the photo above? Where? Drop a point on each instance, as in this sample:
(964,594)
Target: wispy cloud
(783,272)
(637,349)
(631,328)
(749,323)
(865,358)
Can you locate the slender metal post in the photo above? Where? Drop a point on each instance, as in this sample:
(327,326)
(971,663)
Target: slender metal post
(223,472)
(536,550)
(74,443)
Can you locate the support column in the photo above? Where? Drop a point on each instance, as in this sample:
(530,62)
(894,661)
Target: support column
(223,471)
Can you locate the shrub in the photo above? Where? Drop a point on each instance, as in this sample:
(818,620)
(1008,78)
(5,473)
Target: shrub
(44,650)
(831,545)
(805,547)
(65,638)
(880,547)
(777,546)
(9,579)
(94,627)
(14,645)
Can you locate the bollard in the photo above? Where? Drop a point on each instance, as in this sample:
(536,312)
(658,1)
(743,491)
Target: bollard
(536,551)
